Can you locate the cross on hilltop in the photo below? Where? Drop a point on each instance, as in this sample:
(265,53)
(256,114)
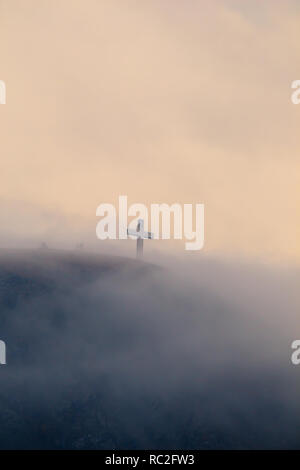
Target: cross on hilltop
(141,236)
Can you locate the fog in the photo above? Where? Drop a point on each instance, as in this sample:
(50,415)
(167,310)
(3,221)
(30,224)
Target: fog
(104,352)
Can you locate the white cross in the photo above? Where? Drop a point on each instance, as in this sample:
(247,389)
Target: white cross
(141,235)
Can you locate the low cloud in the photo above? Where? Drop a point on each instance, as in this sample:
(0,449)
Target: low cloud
(111,353)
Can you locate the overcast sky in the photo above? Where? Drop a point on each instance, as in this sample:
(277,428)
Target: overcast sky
(163,101)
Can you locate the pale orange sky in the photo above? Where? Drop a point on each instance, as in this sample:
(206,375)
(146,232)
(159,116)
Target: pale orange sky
(161,100)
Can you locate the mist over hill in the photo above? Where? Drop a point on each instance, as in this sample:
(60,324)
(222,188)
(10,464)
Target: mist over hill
(110,353)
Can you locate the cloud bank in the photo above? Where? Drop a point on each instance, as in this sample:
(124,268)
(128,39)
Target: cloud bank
(107,353)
